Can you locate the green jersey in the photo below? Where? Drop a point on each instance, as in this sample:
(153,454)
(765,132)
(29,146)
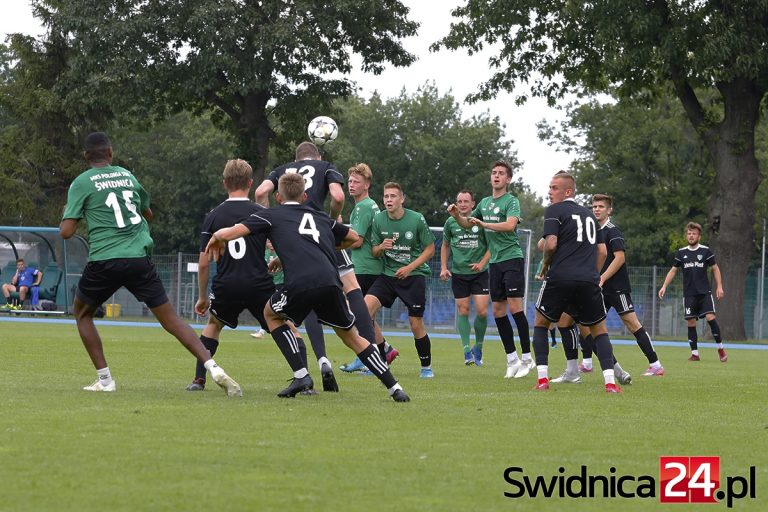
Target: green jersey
(278,278)
(411,236)
(111,200)
(503,245)
(468,246)
(361,220)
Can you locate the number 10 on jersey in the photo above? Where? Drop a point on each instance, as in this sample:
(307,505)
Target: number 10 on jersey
(689,479)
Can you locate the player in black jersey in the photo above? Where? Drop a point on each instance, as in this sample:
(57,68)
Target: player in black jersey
(694,260)
(614,280)
(241,281)
(571,278)
(305,241)
(321,179)
(574,334)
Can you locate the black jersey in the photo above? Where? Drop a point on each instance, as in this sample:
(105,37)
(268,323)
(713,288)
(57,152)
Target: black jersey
(241,269)
(305,240)
(694,262)
(614,241)
(575,258)
(318,175)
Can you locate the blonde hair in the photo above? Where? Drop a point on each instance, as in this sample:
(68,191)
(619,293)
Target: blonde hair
(362,170)
(563,175)
(393,184)
(291,186)
(237,175)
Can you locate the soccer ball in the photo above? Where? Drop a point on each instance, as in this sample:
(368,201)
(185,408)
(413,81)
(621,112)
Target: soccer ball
(322,130)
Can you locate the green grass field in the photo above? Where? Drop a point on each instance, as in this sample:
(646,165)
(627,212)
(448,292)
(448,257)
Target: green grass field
(154,446)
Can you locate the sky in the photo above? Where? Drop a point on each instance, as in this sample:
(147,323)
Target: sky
(454,72)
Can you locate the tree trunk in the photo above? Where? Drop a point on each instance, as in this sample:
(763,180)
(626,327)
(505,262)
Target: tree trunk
(732,204)
(255,134)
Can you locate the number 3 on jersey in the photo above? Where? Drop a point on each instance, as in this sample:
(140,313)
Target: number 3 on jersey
(114,203)
(307,172)
(307,227)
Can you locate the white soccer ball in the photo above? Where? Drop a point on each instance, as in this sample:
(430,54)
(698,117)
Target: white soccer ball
(322,130)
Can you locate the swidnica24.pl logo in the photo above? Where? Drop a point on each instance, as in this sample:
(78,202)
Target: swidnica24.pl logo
(682,479)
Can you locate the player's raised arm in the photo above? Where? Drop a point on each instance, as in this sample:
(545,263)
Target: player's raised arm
(261,194)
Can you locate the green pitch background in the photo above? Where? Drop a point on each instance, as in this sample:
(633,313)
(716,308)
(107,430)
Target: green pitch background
(153,446)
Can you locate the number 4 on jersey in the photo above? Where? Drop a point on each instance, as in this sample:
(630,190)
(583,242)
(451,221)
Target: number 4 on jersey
(308,227)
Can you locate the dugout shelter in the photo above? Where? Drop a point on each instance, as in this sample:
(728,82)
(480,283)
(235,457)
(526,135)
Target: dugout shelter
(61,261)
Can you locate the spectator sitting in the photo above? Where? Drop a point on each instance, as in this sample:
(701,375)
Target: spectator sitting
(24,279)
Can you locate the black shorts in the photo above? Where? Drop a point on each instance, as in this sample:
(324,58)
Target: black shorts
(366,281)
(228,313)
(699,306)
(101,279)
(464,285)
(620,301)
(412,291)
(507,279)
(343,261)
(583,299)
(329,303)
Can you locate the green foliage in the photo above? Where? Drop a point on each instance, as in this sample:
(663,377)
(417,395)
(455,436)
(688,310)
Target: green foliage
(39,139)
(421,142)
(563,46)
(251,64)
(629,47)
(646,155)
(179,162)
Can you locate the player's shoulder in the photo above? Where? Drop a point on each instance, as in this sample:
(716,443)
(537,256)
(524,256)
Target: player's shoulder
(613,229)
(413,214)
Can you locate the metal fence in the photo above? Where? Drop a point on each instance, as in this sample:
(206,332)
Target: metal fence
(661,318)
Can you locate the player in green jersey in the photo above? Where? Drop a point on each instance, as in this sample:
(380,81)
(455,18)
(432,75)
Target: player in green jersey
(499,215)
(468,251)
(401,237)
(367,267)
(116,209)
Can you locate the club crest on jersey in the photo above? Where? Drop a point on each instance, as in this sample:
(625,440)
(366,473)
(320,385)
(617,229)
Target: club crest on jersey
(699,257)
(408,235)
(496,210)
(474,229)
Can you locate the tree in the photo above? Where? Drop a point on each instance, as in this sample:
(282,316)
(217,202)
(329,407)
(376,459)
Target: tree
(422,142)
(253,65)
(650,144)
(180,163)
(630,46)
(40,150)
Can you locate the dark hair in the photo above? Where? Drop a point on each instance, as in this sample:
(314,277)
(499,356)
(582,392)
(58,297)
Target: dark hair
(307,150)
(467,191)
(505,164)
(97,147)
(603,197)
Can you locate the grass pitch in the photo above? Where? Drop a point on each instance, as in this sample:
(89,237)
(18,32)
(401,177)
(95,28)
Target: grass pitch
(153,446)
